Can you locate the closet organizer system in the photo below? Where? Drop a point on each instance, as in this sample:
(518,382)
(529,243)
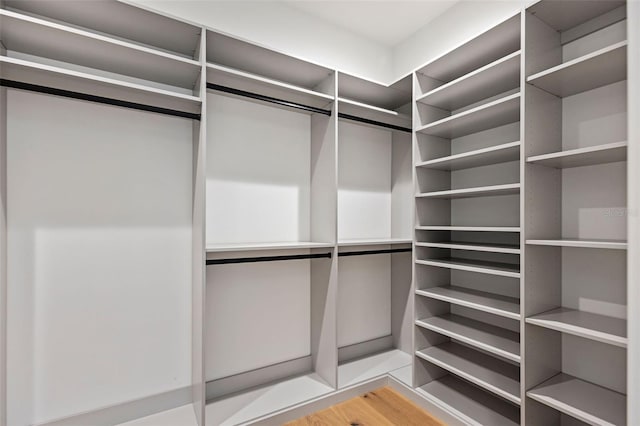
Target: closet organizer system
(463,229)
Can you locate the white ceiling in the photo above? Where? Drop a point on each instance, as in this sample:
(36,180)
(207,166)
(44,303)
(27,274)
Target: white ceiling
(385,22)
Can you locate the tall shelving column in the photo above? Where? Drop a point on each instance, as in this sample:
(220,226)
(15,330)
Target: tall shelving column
(575,227)
(467,235)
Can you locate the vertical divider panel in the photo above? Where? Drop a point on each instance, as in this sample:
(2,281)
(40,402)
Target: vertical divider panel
(324,224)
(198,242)
(523,186)
(633,214)
(3,255)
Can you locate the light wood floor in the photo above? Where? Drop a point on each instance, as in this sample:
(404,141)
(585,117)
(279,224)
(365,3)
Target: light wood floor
(381,407)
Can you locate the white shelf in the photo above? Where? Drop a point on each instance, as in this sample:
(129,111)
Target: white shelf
(371,112)
(486,116)
(563,15)
(483,247)
(494,375)
(480,266)
(469,228)
(481,157)
(481,191)
(495,340)
(370,367)
(241,408)
(597,244)
(508,307)
(597,69)
(497,77)
(19,69)
(124,21)
(38,37)
(373,241)
(596,327)
(600,154)
(229,247)
(243,80)
(582,400)
(474,405)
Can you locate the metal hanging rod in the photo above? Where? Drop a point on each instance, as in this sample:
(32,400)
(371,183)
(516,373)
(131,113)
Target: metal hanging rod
(267,258)
(265,98)
(98,99)
(373,122)
(367,252)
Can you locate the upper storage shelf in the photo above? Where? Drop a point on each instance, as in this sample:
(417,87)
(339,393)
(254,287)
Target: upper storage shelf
(596,69)
(492,47)
(119,20)
(240,65)
(42,38)
(565,15)
(375,103)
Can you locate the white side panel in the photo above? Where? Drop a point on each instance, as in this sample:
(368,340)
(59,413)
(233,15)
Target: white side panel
(401,186)
(99,255)
(258,172)
(633,266)
(3,255)
(364,298)
(364,182)
(257,315)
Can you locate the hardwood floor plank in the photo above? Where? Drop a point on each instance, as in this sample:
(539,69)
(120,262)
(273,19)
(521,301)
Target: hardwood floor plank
(382,407)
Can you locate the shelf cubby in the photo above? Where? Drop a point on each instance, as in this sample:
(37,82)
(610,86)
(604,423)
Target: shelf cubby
(504,306)
(511,229)
(580,157)
(43,38)
(481,157)
(484,247)
(592,326)
(588,72)
(469,402)
(489,115)
(481,191)
(482,267)
(498,341)
(487,372)
(581,243)
(582,400)
(497,77)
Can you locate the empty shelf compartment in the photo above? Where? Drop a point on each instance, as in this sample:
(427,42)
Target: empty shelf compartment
(496,340)
(480,266)
(496,304)
(599,154)
(597,327)
(477,158)
(585,401)
(499,377)
(468,228)
(481,191)
(582,243)
(484,247)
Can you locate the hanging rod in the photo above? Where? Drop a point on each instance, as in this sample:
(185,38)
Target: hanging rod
(267,258)
(267,99)
(373,122)
(367,252)
(98,99)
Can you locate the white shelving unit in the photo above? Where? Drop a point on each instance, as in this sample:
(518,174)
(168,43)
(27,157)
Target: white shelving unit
(576,71)
(462,229)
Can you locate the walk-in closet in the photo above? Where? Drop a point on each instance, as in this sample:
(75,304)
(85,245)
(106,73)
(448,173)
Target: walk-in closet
(201,226)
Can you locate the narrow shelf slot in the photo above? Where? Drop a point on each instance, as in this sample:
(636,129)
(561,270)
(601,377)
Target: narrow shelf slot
(487,116)
(469,228)
(483,247)
(600,154)
(495,340)
(481,157)
(595,244)
(497,77)
(492,374)
(596,327)
(597,69)
(508,307)
(480,266)
(482,191)
(474,405)
(582,400)
(373,241)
